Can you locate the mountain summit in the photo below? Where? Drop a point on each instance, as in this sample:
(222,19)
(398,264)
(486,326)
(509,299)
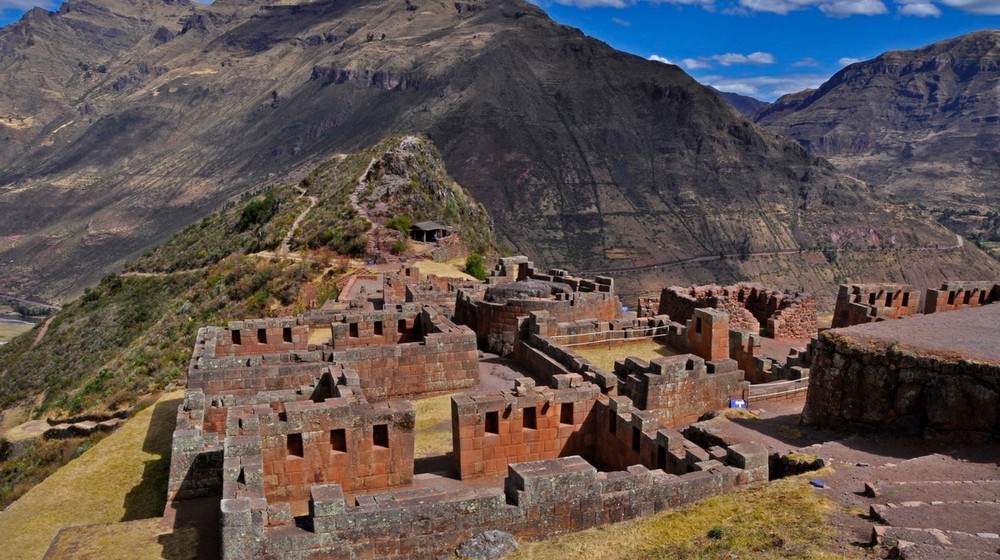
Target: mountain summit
(153,113)
(922,123)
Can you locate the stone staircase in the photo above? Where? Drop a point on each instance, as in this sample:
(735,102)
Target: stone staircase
(937,519)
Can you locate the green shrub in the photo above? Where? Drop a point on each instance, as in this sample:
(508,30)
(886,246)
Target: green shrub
(401,224)
(258,212)
(475,266)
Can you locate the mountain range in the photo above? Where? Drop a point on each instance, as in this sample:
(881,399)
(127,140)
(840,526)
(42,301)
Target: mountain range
(125,120)
(921,125)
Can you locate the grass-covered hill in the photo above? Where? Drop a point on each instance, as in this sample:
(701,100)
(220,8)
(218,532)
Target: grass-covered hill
(132,334)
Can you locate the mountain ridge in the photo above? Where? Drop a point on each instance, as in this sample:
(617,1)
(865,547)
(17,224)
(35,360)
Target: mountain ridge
(585,157)
(919,124)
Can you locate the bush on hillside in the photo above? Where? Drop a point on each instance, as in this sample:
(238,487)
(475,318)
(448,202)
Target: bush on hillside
(475,265)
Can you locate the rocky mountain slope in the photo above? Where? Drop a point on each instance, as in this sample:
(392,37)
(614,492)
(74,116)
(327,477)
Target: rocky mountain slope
(132,333)
(155,112)
(745,104)
(920,124)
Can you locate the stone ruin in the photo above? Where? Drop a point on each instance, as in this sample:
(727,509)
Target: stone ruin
(858,304)
(936,375)
(298,427)
(867,303)
(515,290)
(749,306)
(756,315)
(952,296)
(676,389)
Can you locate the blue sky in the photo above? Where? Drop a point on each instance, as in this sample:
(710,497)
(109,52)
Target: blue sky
(765,48)
(761,48)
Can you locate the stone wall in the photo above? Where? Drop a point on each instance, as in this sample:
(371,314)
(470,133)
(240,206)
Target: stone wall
(867,303)
(899,390)
(359,446)
(263,336)
(538,499)
(496,324)
(680,303)
(959,295)
(708,334)
(492,430)
(749,306)
(444,357)
(679,389)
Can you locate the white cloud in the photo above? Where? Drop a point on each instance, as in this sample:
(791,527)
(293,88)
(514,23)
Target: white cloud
(990,7)
(776,6)
(595,3)
(695,64)
(728,59)
(918,8)
(621,22)
(847,61)
(658,58)
(767,88)
(848,8)
(832,8)
(805,62)
(706,4)
(27,4)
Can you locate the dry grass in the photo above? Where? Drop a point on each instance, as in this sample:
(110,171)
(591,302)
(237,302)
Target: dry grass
(10,329)
(450,269)
(144,539)
(122,477)
(320,335)
(603,357)
(432,432)
(783,519)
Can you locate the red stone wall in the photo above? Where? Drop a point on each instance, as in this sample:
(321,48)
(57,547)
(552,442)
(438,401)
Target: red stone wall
(867,303)
(263,336)
(364,464)
(250,380)
(440,362)
(496,324)
(679,389)
(708,334)
(489,429)
(749,306)
(744,347)
(959,295)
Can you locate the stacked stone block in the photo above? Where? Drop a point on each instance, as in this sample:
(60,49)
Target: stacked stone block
(749,307)
(868,303)
(263,336)
(960,295)
(679,389)
(897,382)
(492,430)
(538,499)
(708,334)
(359,446)
(496,324)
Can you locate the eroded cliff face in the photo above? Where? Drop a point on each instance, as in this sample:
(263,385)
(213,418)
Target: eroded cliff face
(921,124)
(585,157)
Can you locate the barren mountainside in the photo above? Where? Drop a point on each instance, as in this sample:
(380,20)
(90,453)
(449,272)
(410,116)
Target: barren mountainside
(154,112)
(922,124)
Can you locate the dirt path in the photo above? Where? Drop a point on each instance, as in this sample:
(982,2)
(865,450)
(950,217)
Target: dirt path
(42,331)
(670,264)
(285,249)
